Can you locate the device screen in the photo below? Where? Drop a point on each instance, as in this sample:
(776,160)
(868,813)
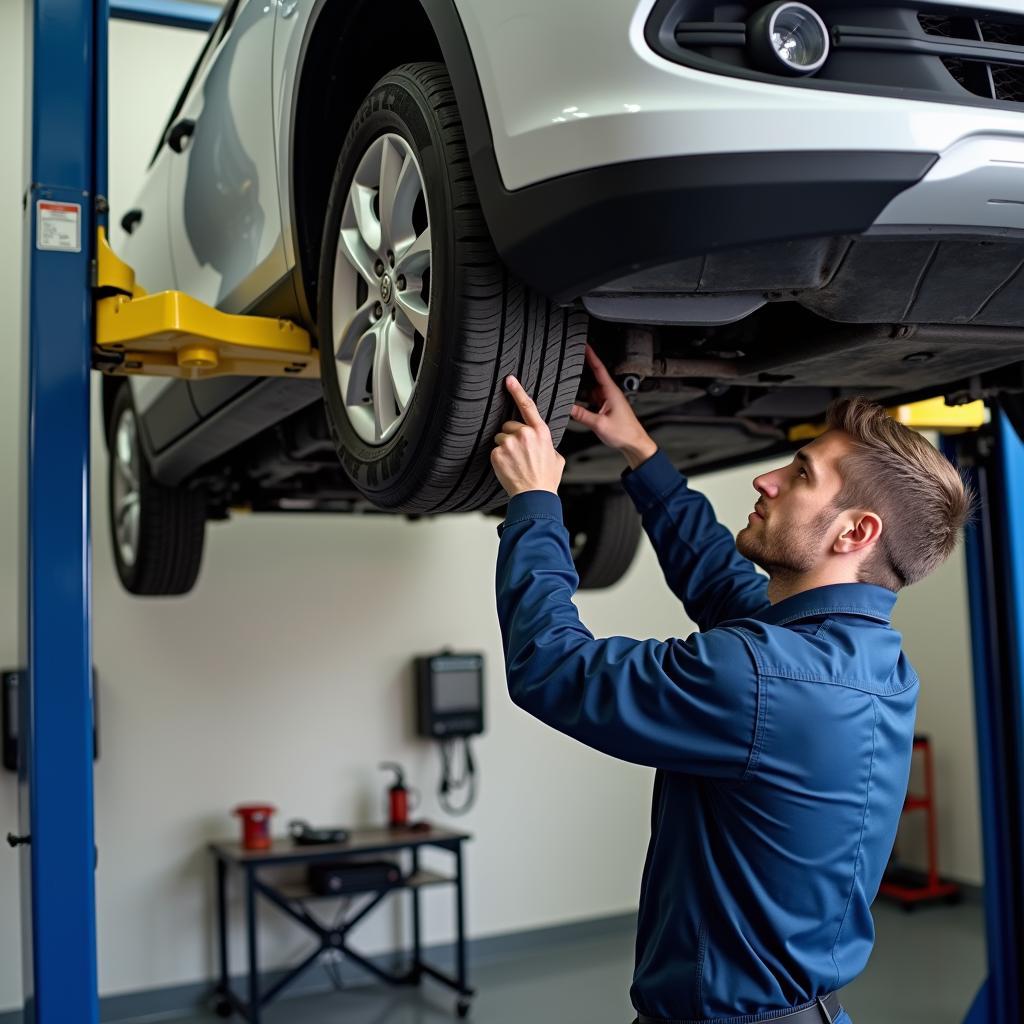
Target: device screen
(456,691)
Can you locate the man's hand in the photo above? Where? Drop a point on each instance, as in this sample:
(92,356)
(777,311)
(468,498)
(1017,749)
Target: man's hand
(614,423)
(524,457)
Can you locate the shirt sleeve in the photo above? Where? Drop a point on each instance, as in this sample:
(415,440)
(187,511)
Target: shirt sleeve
(697,553)
(682,705)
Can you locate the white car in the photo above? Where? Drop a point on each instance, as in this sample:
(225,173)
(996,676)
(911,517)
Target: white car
(747,208)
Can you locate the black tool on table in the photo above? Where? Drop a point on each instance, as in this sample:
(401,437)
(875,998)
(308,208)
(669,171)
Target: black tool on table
(303,834)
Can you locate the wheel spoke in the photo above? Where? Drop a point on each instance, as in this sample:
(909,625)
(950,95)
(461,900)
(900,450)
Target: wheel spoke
(357,254)
(415,257)
(126,471)
(133,525)
(360,386)
(350,334)
(383,389)
(414,311)
(399,188)
(360,198)
(129,503)
(399,347)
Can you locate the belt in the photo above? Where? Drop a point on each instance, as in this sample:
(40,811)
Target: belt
(824,1010)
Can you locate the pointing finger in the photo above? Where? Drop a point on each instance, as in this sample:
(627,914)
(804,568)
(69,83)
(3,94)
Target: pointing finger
(599,370)
(527,408)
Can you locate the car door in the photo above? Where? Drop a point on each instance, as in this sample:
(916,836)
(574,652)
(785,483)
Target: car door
(143,239)
(224,216)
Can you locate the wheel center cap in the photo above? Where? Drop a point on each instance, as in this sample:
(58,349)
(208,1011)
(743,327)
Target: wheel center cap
(385,288)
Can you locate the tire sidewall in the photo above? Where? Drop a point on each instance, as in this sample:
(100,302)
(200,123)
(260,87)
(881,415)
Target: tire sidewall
(129,574)
(394,107)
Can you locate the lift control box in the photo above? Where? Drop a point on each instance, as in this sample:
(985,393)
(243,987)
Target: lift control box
(12,688)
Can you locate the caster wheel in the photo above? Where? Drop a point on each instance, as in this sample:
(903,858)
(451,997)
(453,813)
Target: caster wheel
(953,899)
(908,908)
(223,1008)
(462,1008)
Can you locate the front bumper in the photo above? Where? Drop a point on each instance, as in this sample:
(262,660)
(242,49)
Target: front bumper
(571,235)
(597,157)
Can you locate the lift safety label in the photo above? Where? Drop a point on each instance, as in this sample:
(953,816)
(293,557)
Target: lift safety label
(58,226)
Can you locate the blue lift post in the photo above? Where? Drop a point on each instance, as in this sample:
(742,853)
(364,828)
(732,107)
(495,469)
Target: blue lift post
(993,458)
(64,205)
(67,63)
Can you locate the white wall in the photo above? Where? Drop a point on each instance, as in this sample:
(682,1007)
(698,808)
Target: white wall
(285,677)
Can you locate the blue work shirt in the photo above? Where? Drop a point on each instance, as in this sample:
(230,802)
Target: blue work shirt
(781,734)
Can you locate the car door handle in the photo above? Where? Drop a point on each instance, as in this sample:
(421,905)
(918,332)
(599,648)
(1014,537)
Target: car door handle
(131,220)
(179,133)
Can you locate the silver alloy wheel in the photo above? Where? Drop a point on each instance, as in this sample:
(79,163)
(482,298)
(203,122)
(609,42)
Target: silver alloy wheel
(380,303)
(127,495)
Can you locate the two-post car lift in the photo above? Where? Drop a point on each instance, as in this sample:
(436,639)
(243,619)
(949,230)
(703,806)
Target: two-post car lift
(84,311)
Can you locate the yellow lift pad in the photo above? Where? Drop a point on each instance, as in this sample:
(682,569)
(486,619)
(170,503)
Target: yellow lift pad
(929,414)
(170,334)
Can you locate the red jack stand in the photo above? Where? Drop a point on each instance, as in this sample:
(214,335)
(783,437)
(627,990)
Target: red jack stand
(908,887)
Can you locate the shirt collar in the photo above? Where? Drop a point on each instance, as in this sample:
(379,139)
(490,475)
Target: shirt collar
(864,599)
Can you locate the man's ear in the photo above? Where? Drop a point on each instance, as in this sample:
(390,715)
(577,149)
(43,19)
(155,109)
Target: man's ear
(860,530)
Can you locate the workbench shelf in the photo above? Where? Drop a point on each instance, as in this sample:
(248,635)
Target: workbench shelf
(300,892)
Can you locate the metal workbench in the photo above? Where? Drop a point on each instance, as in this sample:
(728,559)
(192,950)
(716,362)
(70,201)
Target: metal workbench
(292,899)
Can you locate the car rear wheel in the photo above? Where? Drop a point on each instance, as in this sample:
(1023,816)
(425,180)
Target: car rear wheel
(156,532)
(604,532)
(419,321)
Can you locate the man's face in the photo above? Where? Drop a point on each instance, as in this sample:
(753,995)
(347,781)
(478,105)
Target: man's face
(790,529)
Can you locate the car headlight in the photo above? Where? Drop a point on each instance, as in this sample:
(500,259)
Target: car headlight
(788,37)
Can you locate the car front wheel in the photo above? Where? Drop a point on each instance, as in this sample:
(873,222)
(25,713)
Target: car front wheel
(419,322)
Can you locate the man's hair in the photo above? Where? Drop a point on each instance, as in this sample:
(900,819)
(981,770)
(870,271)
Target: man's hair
(921,498)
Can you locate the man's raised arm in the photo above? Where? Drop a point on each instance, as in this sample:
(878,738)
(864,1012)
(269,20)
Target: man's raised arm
(697,554)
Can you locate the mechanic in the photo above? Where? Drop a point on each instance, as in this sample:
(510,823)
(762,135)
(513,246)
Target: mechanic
(781,731)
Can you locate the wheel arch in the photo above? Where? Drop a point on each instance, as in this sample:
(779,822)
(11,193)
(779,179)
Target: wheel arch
(337,71)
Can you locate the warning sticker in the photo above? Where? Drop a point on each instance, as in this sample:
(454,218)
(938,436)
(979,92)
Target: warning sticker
(58,226)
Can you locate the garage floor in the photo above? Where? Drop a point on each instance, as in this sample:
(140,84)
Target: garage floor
(926,968)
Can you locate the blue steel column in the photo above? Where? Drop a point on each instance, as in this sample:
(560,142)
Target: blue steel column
(66,62)
(994,461)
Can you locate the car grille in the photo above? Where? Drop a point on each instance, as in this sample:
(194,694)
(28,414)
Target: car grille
(920,50)
(983,78)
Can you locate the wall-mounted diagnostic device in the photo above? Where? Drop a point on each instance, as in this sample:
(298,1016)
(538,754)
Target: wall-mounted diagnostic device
(450,708)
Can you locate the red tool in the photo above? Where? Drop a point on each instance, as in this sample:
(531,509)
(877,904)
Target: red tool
(907,887)
(255,825)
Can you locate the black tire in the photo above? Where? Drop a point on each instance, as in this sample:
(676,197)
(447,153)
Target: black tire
(172,520)
(604,533)
(483,323)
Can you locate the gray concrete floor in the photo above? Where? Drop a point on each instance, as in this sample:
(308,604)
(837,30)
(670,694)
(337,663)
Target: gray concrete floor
(926,969)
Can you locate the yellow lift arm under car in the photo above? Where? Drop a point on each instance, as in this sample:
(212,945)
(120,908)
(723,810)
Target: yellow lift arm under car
(930,414)
(170,334)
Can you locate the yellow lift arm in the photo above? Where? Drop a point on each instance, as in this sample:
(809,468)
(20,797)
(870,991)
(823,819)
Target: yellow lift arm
(170,334)
(929,414)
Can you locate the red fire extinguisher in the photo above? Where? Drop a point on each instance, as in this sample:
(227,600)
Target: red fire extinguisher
(400,798)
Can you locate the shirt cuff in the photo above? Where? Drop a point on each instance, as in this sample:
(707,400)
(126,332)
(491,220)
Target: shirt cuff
(652,479)
(532,505)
